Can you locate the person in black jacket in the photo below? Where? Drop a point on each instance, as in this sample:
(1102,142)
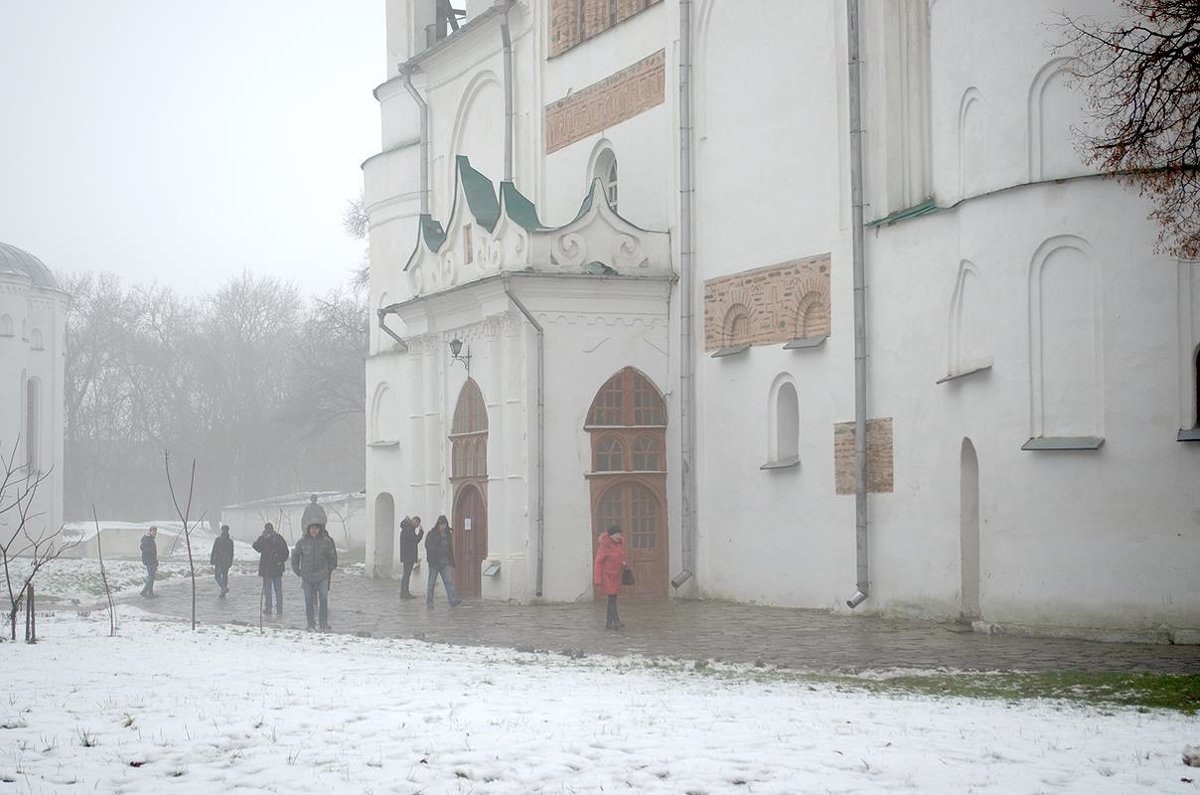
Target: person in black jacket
(150,560)
(411,534)
(314,560)
(272,555)
(439,551)
(221,559)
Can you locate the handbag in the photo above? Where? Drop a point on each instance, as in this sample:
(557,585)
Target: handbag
(627,576)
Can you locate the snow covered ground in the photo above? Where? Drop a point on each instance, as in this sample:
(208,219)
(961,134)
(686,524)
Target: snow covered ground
(224,709)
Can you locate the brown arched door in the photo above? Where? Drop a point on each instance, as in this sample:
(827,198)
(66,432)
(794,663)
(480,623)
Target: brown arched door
(468,477)
(639,511)
(627,423)
(470,538)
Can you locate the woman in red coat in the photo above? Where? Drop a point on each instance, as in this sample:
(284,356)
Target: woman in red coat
(606,573)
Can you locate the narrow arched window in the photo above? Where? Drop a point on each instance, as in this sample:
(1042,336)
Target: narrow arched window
(605,170)
(468,434)
(787,423)
(647,453)
(608,455)
(1196,377)
(737,325)
(6,326)
(33,398)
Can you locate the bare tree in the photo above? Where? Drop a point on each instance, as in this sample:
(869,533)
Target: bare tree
(1142,79)
(36,547)
(184,515)
(112,613)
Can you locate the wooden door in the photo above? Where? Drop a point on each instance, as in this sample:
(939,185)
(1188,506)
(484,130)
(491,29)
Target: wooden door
(470,539)
(636,506)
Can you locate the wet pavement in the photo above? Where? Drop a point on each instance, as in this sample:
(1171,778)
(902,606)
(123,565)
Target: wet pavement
(809,640)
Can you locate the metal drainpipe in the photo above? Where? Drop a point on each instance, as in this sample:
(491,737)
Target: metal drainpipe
(860,307)
(412,90)
(687,381)
(541,434)
(509,113)
(383,327)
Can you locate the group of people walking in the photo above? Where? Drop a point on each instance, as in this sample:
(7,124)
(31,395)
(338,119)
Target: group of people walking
(439,555)
(314,559)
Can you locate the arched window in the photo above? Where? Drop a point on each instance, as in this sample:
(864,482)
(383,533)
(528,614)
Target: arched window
(6,326)
(1196,377)
(33,398)
(737,325)
(812,315)
(468,434)
(787,423)
(783,424)
(628,398)
(470,415)
(35,340)
(608,455)
(605,170)
(647,453)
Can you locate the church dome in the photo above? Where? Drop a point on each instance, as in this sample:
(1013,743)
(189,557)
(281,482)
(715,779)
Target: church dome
(18,260)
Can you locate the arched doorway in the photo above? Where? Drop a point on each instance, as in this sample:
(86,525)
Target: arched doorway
(470,538)
(468,478)
(385,534)
(628,422)
(968,531)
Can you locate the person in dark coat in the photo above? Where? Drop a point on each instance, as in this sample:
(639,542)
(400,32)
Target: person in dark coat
(313,514)
(606,573)
(272,555)
(150,560)
(221,559)
(439,553)
(411,534)
(313,560)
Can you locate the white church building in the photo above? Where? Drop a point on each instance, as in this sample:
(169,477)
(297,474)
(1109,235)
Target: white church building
(814,298)
(33,316)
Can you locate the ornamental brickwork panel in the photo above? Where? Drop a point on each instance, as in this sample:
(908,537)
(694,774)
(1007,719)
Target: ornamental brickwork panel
(767,306)
(573,22)
(880,457)
(614,99)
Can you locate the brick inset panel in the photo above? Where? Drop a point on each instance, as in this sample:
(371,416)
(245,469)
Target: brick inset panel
(614,99)
(573,22)
(880,456)
(785,302)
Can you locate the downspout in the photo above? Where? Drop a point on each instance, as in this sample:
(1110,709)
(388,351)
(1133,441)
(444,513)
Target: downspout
(687,380)
(383,327)
(509,113)
(860,307)
(541,435)
(407,71)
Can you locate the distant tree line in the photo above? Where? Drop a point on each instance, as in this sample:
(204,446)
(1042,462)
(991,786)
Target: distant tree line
(263,386)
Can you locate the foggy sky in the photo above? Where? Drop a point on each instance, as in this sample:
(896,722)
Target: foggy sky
(184,141)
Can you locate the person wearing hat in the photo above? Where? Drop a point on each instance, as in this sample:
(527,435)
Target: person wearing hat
(608,569)
(313,560)
(313,514)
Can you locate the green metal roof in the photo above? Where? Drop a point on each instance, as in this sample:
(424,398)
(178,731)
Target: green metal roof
(519,208)
(481,196)
(432,232)
(924,208)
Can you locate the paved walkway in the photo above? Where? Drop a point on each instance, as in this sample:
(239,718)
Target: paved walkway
(689,630)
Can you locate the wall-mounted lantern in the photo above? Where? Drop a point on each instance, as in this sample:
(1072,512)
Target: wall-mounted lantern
(456,354)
